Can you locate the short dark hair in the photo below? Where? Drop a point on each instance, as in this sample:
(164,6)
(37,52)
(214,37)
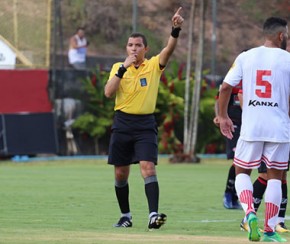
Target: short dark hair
(80,28)
(137,34)
(274,24)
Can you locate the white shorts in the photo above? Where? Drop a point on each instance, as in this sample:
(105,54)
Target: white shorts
(249,154)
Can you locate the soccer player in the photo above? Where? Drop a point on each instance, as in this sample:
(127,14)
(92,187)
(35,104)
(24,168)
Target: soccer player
(259,188)
(230,199)
(135,83)
(265,131)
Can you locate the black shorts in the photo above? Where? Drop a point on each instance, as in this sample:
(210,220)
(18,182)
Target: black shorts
(133,139)
(231,144)
(263,167)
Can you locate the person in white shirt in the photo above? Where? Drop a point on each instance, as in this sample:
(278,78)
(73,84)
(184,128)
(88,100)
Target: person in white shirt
(78,49)
(265,131)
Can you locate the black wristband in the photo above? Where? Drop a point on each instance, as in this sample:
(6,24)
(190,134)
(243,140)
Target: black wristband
(121,71)
(175,32)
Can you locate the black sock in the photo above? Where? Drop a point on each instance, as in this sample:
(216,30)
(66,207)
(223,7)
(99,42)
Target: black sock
(122,194)
(283,205)
(152,194)
(259,186)
(230,184)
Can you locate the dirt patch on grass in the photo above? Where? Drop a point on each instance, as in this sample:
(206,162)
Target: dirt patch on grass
(72,237)
(136,238)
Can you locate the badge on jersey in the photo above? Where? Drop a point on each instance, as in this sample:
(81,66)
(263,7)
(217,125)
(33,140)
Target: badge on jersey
(143,82)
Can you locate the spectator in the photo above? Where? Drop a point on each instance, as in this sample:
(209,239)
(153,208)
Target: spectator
(78,49)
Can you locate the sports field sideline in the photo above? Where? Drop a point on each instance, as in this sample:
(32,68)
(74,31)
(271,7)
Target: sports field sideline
(73,201)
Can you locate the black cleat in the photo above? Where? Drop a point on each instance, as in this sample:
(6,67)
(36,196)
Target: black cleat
(156,221)
(124,222)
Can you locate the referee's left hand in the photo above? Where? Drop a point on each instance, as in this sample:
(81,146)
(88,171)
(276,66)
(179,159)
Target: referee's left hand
(177,19)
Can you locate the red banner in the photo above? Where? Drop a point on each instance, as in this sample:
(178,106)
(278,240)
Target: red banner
(24,91)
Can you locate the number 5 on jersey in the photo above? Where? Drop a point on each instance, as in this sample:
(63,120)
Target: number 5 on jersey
(266,91)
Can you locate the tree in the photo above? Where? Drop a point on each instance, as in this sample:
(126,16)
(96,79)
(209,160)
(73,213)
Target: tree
(191,115)
(198,80)
(186,138)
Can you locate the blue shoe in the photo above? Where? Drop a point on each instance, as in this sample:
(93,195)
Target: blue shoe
(228,200)
(236,204)
(254,233)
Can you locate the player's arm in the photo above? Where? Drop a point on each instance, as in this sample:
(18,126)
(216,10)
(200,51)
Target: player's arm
(216,109)
(113,84)
(224,98)
(226,125)
(166,52)
(216,119)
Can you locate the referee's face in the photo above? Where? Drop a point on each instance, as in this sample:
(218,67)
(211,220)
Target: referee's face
(136,47)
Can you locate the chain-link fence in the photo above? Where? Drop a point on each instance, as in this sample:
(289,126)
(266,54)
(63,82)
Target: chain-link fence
(25,30)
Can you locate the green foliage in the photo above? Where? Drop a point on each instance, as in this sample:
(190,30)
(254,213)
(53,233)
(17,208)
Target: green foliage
(169,109)
(209,134)
(99,110)
(76,13)
(93,125)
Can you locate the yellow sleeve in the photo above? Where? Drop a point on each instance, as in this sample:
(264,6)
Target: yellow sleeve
(114,69)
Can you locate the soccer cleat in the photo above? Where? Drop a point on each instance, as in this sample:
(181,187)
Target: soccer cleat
(156,221)
(272,237)
(281,228)
(124,222)
(228,200)
(254,234)
(244,225)
(236,204)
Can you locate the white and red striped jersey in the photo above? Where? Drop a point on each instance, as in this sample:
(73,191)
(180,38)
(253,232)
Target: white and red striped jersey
(266,89)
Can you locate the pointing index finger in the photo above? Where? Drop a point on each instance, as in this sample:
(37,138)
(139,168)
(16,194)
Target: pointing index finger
(177,12)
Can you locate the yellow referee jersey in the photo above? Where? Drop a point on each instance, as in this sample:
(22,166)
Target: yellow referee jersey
(138,90)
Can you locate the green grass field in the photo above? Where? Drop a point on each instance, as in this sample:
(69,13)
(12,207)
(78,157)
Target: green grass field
(74,202)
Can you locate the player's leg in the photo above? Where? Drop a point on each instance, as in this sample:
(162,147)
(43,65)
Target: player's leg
(148,172)
(122,194)
(259,188)
(244,189)
(273,196)
(281,227)
(236,134)
(120,155)
(230,188)
(146,152)
(246,158)
(274,156)
(230,199)
(260,185)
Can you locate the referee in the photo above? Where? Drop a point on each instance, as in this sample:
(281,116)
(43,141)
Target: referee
(134,83)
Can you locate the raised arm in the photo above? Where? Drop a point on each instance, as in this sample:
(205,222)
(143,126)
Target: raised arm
(166,52)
